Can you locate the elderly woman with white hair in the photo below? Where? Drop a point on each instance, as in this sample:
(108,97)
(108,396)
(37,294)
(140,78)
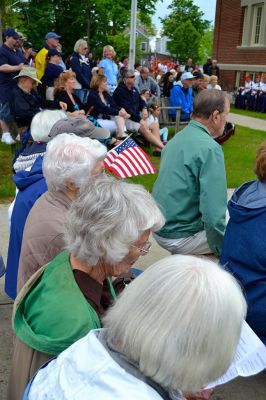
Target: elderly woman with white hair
(173,330)
(80,65)
(107,230)
(68,165)
(109,68)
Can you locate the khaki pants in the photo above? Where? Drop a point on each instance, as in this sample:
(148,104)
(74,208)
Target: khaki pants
(26,362)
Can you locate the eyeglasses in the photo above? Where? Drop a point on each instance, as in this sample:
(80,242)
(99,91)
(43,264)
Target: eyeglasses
(133,76)
(145,249)
(85,48)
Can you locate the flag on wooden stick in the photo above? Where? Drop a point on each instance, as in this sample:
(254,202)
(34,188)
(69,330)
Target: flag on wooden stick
(128,159)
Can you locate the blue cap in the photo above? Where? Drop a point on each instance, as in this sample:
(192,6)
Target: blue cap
(10,32)
(52,35)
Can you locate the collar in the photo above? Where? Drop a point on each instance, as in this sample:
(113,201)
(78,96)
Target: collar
(197,124)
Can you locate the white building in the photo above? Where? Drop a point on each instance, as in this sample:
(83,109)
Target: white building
(161,45)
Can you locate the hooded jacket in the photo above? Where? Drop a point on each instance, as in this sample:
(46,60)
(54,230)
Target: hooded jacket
(244,249)
(31,185)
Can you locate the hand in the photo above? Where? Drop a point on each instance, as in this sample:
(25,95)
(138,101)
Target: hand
(63,105)
(20,66)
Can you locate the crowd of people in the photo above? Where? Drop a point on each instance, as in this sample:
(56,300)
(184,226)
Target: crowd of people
(252,96)
(87,322)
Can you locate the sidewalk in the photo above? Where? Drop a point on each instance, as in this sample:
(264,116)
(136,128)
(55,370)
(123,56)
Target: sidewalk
(249,122)
(240,389)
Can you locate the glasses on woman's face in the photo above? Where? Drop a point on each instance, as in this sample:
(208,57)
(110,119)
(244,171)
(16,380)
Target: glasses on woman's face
(145,249)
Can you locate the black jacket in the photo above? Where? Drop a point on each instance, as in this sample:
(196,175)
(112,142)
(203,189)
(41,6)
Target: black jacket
(25,105)
(95,106)
(82,70)
(130,100)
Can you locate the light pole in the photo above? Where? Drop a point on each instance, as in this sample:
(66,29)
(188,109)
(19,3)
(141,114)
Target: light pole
(133,26)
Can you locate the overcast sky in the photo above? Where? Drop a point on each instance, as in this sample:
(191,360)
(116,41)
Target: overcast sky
(207,6)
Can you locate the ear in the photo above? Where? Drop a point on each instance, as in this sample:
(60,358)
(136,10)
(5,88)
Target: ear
(215,115)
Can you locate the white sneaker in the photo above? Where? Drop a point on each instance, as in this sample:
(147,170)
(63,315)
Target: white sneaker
(7,138)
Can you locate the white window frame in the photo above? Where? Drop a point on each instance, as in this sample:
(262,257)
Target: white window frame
(257,21)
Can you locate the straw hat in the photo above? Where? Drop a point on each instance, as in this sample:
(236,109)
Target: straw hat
(30,72)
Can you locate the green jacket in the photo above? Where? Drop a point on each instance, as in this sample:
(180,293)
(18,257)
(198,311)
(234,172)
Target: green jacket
(191,187)
(53,313)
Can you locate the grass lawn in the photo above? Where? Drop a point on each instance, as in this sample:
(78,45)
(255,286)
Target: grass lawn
(239,152)
(247,113)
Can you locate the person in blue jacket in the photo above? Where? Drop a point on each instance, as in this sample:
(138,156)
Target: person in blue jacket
(181,95)
(80,65)
(244,246)
(31,185)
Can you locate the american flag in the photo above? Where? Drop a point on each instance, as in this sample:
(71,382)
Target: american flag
(128,159)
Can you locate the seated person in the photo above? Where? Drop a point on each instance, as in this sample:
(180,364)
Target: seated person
(64,91)
(128,97)
(198,83)
(152,123)
(101,106)
(213,84)
(145,81)
(68,164)
(52,72)
(179,313)
(106,231)
(181,95)
(40,127)
(26,102)
(244,246)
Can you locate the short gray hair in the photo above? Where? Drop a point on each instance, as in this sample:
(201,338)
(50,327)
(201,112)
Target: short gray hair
(43,122)
(70,156)
(208,101)
(180,321)
(107,217)
(78,44)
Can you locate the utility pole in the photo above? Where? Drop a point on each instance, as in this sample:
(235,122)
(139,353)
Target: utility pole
(133,26)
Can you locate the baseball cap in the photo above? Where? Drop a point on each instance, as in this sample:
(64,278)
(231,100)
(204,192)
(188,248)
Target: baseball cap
(10,32)
(198,75)
(77,125)
(187,75)
(52,35)
(54,52)
(27,45)
(129,73)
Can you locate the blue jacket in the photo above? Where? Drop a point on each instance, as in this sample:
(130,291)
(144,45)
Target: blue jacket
(82,70)
(31,185)
(95,106)
(130,100)
(181,97)
(244,249)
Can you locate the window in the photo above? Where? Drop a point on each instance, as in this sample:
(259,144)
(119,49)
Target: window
(257,24)
(144,46)
(245,25)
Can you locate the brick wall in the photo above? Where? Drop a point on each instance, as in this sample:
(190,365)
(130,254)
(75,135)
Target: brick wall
(227,36)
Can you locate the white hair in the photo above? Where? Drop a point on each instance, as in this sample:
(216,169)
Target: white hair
(107,218)
(78,44)
(70,157)
(43,122)
(180,321)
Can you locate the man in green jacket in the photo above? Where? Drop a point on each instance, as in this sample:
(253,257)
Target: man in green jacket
(191,187)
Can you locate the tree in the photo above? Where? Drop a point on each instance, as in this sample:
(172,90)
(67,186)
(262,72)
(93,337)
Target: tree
(206,45)
(94,20)
(184,26)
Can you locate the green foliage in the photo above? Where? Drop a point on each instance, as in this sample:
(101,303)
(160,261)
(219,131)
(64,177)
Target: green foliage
(206,45)
(185,27)
(95,20)
(121,44)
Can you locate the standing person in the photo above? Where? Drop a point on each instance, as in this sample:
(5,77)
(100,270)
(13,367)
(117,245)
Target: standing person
(189,67)
(214,69)
(191,187)
(108,68)
(51,42)
(207,65)
(52,72)
(79,64)
(10,65)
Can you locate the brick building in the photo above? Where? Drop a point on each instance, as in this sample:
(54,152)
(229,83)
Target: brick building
(240,40)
